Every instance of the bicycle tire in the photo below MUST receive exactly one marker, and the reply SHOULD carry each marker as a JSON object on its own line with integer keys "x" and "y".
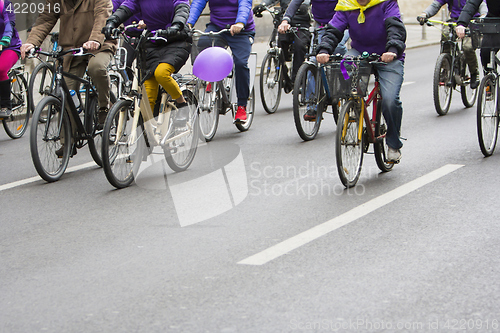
{"x": 349, "y": 147}
{"x": 46, "y": 139}
{"x": 380, "y": 147}
{"x": 468, "y": 94}
{"x": 442, "y": 84}
{"x": 487, "y": 115}
{"x": 245, "y": 126}
{"x": 208, "y": 109}
{"x": 306, "y": 84}
{"x": 92, "y": 120}
{"x": 41, "y": 84}
{"x": 121, "y": 157}
{"x": 17, "y": 123}
{"x": 270, "y": 82}
{"x": 180, "y": 153}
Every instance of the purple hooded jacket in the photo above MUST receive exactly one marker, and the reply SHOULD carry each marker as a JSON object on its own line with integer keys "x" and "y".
{"x": 155, "y": 13}
{"x": 224, "y": 12}
{"x": 7, "y": 27}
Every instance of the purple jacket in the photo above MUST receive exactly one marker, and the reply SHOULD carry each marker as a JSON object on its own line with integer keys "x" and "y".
{"x": 376, "y": 34}
{"x": 454, "y": 7}
{"x": 7, "y": 27}
{"x": 134, "y": 18}
{"x": 224, "y": 12}
{"x": 157, "y": 14}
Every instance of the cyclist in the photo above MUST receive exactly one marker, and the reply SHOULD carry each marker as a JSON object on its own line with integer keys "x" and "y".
{"x": 9, "y": 54}
{"x": 455, "y": 7}
{"x": 375, "y": 27}
{"x": 79, "y": 29}
{"x": 468, "y": 11}
{"x": 237, "y": 14}
{"x": 168, "y": 19}
{"x": 300, "y": 40}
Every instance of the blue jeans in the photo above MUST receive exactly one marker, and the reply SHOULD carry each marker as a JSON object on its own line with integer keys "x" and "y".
{"x": 390, "y": 77}
{"x": 241, "y": 46}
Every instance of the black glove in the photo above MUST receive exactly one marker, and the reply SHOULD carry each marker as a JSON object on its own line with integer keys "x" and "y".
{"x": 107, "y": 30}
{"x": 257, "y": 10}
{"x": 422, "y": 19}
{"x": 173, "y": 31}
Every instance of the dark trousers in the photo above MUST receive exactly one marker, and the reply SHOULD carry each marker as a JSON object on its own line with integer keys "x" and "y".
{"x": 300, "y": 42}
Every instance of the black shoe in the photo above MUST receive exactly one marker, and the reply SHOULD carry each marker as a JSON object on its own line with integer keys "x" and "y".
{"x": 101, "y": 118}
{"x": 182, "y": 114}
{"x": 310, "y": 115}
{"x": 5, "y": 113}
{"x": 474, "y": 82}
{"x": 60, "y": 152}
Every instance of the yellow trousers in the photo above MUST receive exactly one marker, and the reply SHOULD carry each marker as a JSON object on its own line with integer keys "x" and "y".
{"x": 162, "y": 76}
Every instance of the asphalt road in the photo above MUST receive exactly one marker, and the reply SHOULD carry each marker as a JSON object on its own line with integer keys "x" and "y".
{"x": 259, "y": 234}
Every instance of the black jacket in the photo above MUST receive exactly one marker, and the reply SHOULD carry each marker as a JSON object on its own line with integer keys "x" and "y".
{"x": 302, "y": 16}
{"x": 471, "y": 7}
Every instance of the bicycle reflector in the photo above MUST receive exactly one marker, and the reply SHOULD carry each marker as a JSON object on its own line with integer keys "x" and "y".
{"x": 213, "y": 64}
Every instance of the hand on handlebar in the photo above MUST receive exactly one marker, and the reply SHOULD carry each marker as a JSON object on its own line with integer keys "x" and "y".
{"x": 108, "y": 30}
{"x": 388, "y": 57}
{"x": 323, "y": 58}
{"x": 257, "y": 10}
{"x": 26, "y": 48}
{"x": 422, "y": 18}
{"x": 236, "y": 28}
{"x": 460, "y": 30}
{"x": 91, "y": 45}
{"x": 284, "y": 27}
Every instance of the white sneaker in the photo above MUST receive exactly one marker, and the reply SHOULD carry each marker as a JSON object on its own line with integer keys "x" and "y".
{"x": 393, "y": 155}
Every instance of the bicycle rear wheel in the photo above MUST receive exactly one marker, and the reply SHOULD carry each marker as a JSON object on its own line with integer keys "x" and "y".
{"x": 41, "y": 84}
{"x": 349, "y": 144}
{"x": 208, "y": 109}
{"x": 442, "y": 84}
{"x": 243, "y": 127}
{"x": 487, "y": 115}
{"x": 180, "y": 153}
{"x": 17, "y": 123}
{"x": 468, "y": 94}
{"x": 46, "y": 138}
{"x": 270, "y": 82}
{"x": 306, "y": 97}
{"x": 380, "y": 146}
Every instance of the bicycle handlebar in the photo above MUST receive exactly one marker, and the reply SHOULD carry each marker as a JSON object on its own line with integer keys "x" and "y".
{"x": 209, "y": 33}
{"x": 59, "y": 53}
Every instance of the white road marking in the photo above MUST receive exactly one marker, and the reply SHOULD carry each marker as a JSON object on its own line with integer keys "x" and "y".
{"x": 307, "y": 236}
{"x": 407, "y": 83}
{"x": 36, "y": 178}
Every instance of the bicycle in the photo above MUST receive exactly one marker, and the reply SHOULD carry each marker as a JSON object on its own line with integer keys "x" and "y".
{"x": 312, "y": 92}
{"x": 273, "y": 71}
{"x": 355, "y": 129}
{"x": 132, "y": 130}
{"x": 485, "y": 34}
{"x": 16, "y": 124}
{"x": 451, "y": 71}
{"x": 219, "y": 98}
{"x": 54, "y": 116}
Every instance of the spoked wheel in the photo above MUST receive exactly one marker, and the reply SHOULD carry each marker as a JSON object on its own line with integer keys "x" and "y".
{"x": 468, "y": 94}
{"x": 380, "y": 147}
{"x": 349, "y": 144}
{"x": 250, "y": 113}
{"x": 487, "y": 115}
{"x": 180, "y": 152}
{"x": 41, "y": 84}
{"x": 442, "y": 84}
{"x": 308, "y": 98}
{"x": 207, "y": 109}
{"x": 270, "y": 82}
{"x": 47, "y": 138}
{"x": 122, "y": 152}
{"x": 17, "y": 123}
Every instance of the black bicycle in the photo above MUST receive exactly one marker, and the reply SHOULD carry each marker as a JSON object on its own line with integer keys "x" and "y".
{"x": 59, "y": 127}
{"x": 16, "y": 124}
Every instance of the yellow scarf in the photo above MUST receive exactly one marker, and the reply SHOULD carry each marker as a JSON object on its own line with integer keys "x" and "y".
{"x": 347, "y": 5}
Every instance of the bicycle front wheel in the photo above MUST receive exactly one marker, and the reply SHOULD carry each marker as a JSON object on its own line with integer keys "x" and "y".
{"x": 50, "y": 139}
{"x": 208, "y": 109}
{"x": 380, "y": 146}
{"x": 442, "y": 84}
{"x": 17, "y": 123}
{"x": 487, "y": 115}
{"x": 243, "y": 127}
{"x": 270, "y": 82}
{"x": 92, "y": 120}
{"x": 180, "y": 152}
{"x": 468, "y": 94}
{"x": 349, "y": 144}
{"x": 308, "y": 100}
{"x": 41, "y": 84}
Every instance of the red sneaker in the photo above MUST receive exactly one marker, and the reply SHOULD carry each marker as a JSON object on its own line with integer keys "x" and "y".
{"x": 241, "y": 114}
{"x": 209, "y": 87}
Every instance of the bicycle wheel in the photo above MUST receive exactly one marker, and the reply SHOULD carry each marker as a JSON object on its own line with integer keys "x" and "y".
{"x": 270, "y": 82}
{"x": 487, "y": 115}
{"x": 349, "y": 144}
{"x": 207, "y": 109}
{"x": 41, "y": 84}
{"x": 122, "y": 154}
{"x": 48, "y": 137}
{"x": 468, "y": 94}
{"x": 17, "y": 123}
{"x": 305, "y": 98}
{"x": 442, "y": 84}
{"x": 380, "y": 146}
{"x": 243, "y": 127}
{"x": 92, "y": 120}
{"x": 179, "y": 153}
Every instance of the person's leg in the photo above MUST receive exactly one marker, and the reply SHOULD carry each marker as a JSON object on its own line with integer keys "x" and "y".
{"x": 8, "y": 59}
{"x": 471, "y": 60}
{"x": 301, "y": 41}
{"x": 241, "y": 46}
{"x": 151, "y": 86}
{"x": 98, "y": 71}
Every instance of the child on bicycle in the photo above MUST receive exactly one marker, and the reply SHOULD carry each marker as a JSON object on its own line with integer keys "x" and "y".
{"x": 237, "y": 15}
{"x": 455, "y": 7}
{"x": 300, "y": 40}
{"x": 10, "y": 45}
{"x": 375, "y": 26}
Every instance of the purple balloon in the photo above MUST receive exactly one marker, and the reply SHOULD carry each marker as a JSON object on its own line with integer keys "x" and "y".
{"x": 213, "y": 64}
